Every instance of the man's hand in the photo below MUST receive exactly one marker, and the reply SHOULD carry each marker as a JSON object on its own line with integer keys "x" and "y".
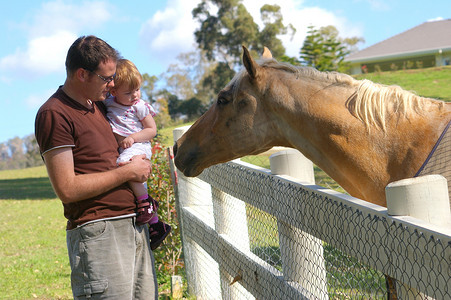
{"x": 141, "y": 168}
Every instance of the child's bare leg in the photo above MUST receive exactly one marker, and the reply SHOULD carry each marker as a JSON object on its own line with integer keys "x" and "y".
{"x": 139, "y": 189}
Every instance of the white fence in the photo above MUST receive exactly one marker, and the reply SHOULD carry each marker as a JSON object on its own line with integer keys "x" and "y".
{"x": 250, "y": 234}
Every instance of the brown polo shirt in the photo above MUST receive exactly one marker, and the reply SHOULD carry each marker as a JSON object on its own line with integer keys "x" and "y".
{"x": 63, "y": 122}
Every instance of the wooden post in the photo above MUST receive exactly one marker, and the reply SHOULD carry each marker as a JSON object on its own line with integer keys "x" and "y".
{"x": 301, "y": 253}
{"x": 176, "y": 287}
{"x": 425, "y": 198}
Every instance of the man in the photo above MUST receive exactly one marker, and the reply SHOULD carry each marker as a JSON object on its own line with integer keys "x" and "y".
{"x": 109, "y": 253}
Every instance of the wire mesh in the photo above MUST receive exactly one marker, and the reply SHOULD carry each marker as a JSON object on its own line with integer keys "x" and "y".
{"x": 267, "y": 237}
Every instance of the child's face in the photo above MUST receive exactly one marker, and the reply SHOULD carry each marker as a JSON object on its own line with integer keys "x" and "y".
{"x": 126, "y": 97}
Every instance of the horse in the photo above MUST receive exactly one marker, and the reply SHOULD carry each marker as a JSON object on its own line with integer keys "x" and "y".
{"x": 364, "y": 135}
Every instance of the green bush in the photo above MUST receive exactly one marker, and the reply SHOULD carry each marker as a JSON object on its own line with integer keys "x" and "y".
{"x": 168, "y": 257}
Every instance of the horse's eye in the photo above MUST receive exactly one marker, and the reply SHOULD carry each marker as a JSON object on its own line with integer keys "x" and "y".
{"x": 222, "y": 101}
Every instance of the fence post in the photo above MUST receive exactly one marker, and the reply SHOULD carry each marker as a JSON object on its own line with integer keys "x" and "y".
{"x": 202, "y": 271}
{"x": 425, "y": 198}
{"x": 301, "y": 253}
{"x": 231, "y": 220}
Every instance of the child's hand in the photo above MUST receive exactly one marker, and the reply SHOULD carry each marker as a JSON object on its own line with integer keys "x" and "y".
{"x": 127, "y": 142}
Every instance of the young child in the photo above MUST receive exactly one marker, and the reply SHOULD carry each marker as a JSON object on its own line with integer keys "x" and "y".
{"x": 133, "y": 125}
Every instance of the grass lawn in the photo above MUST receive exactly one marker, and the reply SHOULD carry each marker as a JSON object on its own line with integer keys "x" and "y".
{"x": 430, "y": 82}
{"x": 33, "y": 253}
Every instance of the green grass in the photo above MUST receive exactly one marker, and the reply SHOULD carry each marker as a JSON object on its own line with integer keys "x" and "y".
{"x": 166, "y": 136}
{"x": 31, "y": 183}
{"x": 430, "y": 82}
{"x": 321, "y": 178}
{"x": 33, "y": 254}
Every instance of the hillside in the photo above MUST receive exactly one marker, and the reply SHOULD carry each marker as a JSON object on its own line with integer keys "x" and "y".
{"x": 431, "y": 82}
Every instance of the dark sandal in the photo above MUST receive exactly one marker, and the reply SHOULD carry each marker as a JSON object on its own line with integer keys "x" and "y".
{"x": 157, "y": 233}
{"x": 144, "y": 212}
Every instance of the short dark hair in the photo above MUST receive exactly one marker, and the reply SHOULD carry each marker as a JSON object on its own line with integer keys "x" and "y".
{"x": 88, "y": 52}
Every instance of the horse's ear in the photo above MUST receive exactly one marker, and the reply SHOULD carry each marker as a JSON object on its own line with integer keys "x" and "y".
{"x": 266, "y": 53}
{"x": 249, "y": 63}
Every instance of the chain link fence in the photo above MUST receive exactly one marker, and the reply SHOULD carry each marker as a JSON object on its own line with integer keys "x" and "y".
{"x": 248, "y": 234}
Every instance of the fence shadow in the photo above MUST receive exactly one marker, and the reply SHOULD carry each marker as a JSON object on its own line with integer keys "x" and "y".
{"x": 26, "y": 188}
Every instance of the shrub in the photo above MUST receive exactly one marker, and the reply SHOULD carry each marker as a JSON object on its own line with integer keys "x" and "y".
{"x": 168, "y": 257}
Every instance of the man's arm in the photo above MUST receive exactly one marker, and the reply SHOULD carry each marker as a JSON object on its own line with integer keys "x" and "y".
{"x": 70, "y": 187}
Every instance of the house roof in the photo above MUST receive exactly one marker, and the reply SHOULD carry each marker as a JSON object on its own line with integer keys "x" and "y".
{"x": 426, "y": 38}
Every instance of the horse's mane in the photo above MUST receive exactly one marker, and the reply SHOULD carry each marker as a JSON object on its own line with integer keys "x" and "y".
{"x": 371, "y": 103}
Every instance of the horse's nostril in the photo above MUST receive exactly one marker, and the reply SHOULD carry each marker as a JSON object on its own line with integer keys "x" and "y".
{"x": 174, "y": 149}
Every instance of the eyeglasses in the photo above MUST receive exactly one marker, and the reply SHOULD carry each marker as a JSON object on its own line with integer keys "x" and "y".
{"x": 106, "y": 79}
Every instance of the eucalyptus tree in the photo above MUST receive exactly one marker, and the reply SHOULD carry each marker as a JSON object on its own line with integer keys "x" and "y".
{"x": 226, "y": 25}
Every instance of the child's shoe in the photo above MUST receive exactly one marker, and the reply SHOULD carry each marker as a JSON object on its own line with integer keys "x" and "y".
{"x": 157, "y": 233}
{"x": 144, "y": 211}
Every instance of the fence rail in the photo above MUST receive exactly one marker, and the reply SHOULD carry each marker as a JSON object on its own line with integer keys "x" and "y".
{"x": 249, "y": 234}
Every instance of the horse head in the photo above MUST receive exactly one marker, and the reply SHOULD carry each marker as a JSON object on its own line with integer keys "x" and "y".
{"x": 236, "y": 125}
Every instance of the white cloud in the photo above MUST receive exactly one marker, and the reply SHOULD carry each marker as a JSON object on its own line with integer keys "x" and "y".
{"x": 43, "y": 55}
{"x": 59, "y": 15}
{"x": 295, "y": 12}
{"x": 52, "y": 30}
{"x": 36, "y": 100}
{"x": 435, "y": 19}
{"x": 302, "y": 18}
{"x": 170, "y": 31}
{"x": 378, "y": 5}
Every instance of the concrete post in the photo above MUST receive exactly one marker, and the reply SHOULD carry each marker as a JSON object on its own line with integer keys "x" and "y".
{"x": 201, "y": 270}
{"x": 425, "y": 198}
{"x": 231, "y": 220}
{"x": 301, "y": 253}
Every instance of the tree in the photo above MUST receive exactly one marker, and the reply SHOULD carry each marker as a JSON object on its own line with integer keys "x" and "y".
{"x": 148, "y": 86}
{"x": 192, "y": 108}
{"x": 173, "y": 105}
{"x": 222, "y": 35}
{"x": 162, "y": 119}
{"x": 273, "y": 20}
{"x": 4, "y": 156}
{"x": 178, "y": 81}
{"x": 325, "y": 51}
{"x": 32, "y": 154}
{"x": 4, "y": 152}
{"x": 218, "y": 78}
{"x": 17, "y": 153}
{"x": 20, "y": 153}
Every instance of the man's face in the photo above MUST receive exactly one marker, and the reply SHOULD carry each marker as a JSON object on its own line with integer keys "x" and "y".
{"x": 100, "y": 82}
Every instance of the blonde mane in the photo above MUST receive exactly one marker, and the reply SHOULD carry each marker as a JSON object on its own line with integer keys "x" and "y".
{"x": 372, "y": 103}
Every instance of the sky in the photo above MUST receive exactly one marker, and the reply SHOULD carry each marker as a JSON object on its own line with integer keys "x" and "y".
{"x": 35, "y": 37}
